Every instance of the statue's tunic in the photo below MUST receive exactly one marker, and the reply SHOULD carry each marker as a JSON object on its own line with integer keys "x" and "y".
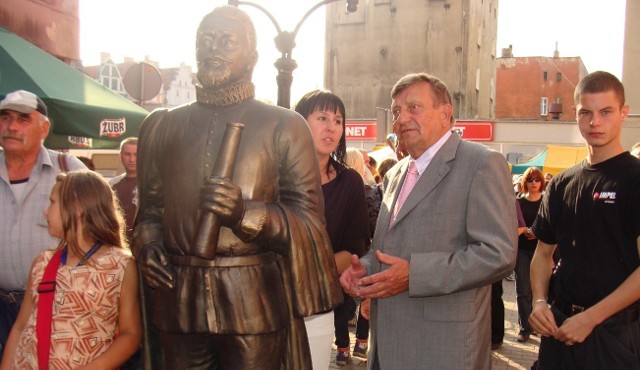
{"x": 277, "y": 264}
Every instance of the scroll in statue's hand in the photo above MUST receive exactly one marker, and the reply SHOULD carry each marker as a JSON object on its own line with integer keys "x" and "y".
{"x": 224, "y": 199}
{"x": 155, "y": 267}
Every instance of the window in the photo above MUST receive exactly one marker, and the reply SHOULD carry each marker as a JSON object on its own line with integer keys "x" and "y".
{"x": 558, "y": 76}
{"x": 544, "y": 75}
{"x": 110, "y": 77}
{"x": 544, "y": 106}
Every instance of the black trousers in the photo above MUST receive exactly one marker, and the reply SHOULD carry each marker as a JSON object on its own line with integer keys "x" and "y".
{"x": 8, "y": 314}
{"x": 609, "y": 346}
{"x": 497, "y": 313}
{"x": 362, "y": 327}
{"x": 341, "y": 316}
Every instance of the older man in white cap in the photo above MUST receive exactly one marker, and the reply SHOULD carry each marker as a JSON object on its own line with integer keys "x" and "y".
{"x": 27, "y": 174}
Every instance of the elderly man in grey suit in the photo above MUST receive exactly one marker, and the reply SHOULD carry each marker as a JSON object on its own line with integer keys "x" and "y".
{"x": 446, "y": 231}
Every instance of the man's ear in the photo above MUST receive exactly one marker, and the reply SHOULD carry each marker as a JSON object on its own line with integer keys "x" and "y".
{"x": 46, "y": 126}
{"x": 624, "y": 111}
{"x": 446, "y": 110}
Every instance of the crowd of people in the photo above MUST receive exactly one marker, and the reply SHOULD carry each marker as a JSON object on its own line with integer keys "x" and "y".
{"x": 256, "y": 252}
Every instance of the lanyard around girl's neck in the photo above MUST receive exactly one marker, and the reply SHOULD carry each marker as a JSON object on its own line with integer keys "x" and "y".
{"x": 90, "y": 252}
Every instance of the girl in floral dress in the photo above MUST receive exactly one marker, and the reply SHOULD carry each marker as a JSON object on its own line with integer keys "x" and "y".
{"x": 95, "y": 320}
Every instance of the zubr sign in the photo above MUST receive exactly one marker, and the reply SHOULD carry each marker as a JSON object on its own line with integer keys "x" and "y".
{"x": 361, "y": 130}
{"x": 80, "y": 142}
{"x": 475, "y": 130}
{"x": 113, "y": 127}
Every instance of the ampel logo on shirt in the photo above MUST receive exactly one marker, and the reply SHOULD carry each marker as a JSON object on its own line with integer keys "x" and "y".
{"x": 605, "y": 196}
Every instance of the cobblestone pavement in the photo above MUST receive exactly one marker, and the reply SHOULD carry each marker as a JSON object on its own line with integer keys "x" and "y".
{"x": 511, "y": 356}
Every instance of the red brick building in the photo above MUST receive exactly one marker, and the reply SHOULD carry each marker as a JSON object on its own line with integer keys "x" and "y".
{"x": 51, "y": 25}
{"x": 536, "y": 87}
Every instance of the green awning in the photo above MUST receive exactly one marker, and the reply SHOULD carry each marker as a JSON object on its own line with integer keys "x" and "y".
{"x": 80, "y": 109}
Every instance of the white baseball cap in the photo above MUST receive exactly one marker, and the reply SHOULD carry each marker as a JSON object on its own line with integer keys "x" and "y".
{"x": 24, "y": 102}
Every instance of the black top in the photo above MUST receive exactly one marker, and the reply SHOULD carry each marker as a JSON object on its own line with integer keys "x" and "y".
{"x": 593, "y": 213}
{"x": 374, "y": 200}
{"x": 529, "y": 211}
{"x": 346, "y": 213}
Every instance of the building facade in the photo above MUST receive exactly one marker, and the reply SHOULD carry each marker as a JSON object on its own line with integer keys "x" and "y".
{"x": 178, "y": 84}
{"x": 369, "y": 50}
{"x": 631, "y": 62}
{"x": 538, "y": 88}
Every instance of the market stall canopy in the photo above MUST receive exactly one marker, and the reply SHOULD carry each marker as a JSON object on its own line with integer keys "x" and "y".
{"x": 83, "y": 113}
{"x": 553, "y": 159}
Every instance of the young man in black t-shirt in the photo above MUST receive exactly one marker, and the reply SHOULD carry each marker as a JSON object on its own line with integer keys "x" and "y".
{"x": 126, "y": 185}
{"x": 591, "y": 212}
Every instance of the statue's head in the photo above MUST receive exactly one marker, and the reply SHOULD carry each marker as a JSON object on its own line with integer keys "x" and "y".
{"x": 225, "y": 47}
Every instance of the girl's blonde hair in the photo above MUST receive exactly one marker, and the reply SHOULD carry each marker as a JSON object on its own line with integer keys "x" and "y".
{"x": 86, "y": 194}
{"x": 355, "y": 160}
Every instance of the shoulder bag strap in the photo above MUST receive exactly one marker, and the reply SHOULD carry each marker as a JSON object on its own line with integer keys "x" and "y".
{"x": 46, "y": 293}
{"x": 62, "y": 162}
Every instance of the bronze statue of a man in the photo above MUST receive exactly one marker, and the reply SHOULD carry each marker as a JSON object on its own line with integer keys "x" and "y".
{"x": 242, "y": 307}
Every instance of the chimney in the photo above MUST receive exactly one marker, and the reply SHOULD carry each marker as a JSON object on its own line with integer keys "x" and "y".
{"x": 507, "y": 52}
{"x": 555, "y": 109}
{"x": 104, "y": 57}
{"x": 556, "y": 53}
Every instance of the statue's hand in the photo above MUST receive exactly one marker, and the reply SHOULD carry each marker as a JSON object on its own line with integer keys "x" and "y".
{"x": 155, "y": 267}
{"x": 224, "y": 199}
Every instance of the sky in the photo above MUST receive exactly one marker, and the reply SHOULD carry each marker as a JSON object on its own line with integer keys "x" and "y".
{"x": 165, "y": 32}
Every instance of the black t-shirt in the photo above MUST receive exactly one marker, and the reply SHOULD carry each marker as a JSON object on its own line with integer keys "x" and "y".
{"x": 593, "y": 213}
{"x": 529, "y": 211}
{"x": 346, "y": 213}
{"x": 127, "y": 192}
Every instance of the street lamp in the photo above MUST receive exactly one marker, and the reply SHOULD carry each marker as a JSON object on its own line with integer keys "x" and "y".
{"x": 285, "y": 42}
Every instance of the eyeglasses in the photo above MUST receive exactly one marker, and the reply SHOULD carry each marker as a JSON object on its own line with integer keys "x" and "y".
{"x": 534, "y": 179}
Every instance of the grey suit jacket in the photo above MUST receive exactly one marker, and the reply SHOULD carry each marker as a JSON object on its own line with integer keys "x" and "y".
{"x": 458, "y": 230}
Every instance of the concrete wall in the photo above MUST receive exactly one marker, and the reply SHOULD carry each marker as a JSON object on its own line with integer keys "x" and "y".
{"x": 631, "y": 62}
{"x": 530, "y": 137}
{"x": 368, "y": 51}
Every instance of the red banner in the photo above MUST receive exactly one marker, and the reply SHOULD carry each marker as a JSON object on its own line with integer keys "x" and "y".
{"x": 361, "y": 130}
{"x": 475, "y": 130}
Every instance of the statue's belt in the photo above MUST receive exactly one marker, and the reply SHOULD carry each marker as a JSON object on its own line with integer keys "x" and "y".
{"x": 224, "y": 261}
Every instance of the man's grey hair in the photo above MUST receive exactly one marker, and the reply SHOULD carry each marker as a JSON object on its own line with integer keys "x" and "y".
{"x": 440, "y": 92}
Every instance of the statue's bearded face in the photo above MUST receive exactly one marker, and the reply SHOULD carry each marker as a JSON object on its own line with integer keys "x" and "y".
{"x": 223, "y": 52}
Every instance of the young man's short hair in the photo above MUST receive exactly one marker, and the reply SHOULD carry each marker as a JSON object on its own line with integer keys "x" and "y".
{"x": 599, "y": 82}
{"x": 128, "y": 141}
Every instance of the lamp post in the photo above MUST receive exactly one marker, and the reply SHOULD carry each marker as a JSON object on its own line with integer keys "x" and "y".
{"x": 285, "y": 42}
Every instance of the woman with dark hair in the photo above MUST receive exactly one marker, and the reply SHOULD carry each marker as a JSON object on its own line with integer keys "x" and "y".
{"x": 346, "y": 216}
{"x": 532, "y": 185}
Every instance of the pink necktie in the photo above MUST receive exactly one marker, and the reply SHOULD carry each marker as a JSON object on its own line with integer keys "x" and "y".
{"x": 409, "y": 182}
